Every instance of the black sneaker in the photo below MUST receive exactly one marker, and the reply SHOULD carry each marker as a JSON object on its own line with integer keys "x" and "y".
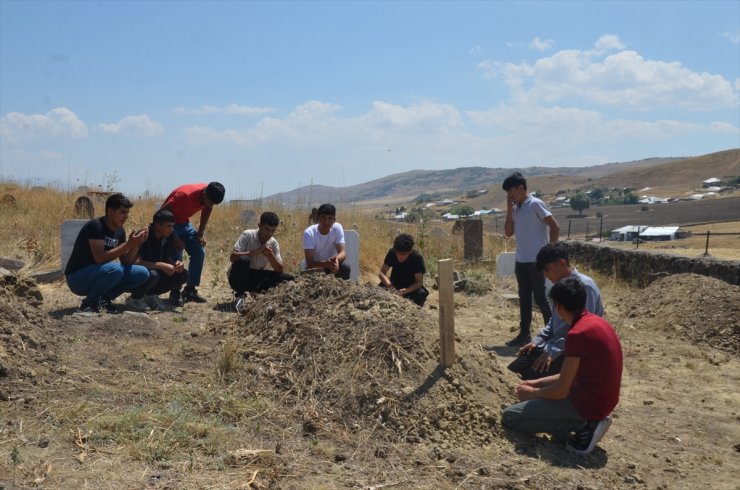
{"x": 175, "y": 299}
{"x": 191, "y": 294}
{"x": 519, "y": 340}
{"x": 107, "y": 306}
{"x": 86, "y": 307}
{"x": 585, "y": 440}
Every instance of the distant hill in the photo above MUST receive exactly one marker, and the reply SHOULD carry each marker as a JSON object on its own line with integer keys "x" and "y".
{"x": 406, "y": 186}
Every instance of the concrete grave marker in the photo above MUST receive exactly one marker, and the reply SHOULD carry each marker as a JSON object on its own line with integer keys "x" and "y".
{"x": 473, "y": 239}
{"x": 352, "y": 250}
{"x": 505, "y": 264}
{"x": 84, "y": 207}
{"x": 70, "y": 229}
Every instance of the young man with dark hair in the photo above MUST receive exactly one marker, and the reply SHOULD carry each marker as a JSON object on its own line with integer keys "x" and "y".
{"x": 159, "y": 255}
{"x": 183, "y": 203}
{"x": 407, "y": 274}
{"x": 323, "y": 244}
{"x": 253, "y": 252}
{"x": 529, "y": 220}
{"x": 92, "y": 270}
{"x": 582, "y": 396}
{"x": 543, "y": 356}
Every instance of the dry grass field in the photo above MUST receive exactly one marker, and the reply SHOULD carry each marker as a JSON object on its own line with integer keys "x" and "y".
{"x": 324, "y": 384}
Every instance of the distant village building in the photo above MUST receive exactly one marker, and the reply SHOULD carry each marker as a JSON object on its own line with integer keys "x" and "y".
{"x": 653, "y": 200}
{"x": 627, "y": 233}
{"x": 714, "y": 181}
{"x": 661, "y": 233}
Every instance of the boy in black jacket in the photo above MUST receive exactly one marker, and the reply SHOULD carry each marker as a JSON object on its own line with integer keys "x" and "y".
{"x": 166, "y": 273}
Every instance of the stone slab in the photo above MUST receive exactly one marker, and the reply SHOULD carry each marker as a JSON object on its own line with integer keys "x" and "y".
{"x": 70, "y": 229}
{"x": 505, "y": 264}
{"x": 352, "y": 250}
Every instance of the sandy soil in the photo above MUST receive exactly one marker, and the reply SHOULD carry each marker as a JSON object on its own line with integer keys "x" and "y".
{"x": 322, "y": 385}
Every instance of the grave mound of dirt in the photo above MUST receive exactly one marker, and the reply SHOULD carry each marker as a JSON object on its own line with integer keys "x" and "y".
{"x": 690, "y": 306}
{"x": 358, "y": 357}
{"x": 24, "y": 353}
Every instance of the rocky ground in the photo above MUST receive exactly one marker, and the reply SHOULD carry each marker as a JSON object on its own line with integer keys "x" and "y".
{"x": 322, "y": 384}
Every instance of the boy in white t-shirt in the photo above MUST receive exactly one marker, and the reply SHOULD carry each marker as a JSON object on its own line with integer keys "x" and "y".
{"x": 256, "y": 263}
{"x": 323, "y": 244}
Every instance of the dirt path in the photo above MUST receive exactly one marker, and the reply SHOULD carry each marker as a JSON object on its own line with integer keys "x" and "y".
{"x": 176, "y": 400}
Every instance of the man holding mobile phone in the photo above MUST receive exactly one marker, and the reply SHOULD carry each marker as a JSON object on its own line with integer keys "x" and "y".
{"x": 533, "y": 225}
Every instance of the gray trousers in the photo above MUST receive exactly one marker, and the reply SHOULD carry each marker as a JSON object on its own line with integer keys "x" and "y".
{"x": 551, "y": 416}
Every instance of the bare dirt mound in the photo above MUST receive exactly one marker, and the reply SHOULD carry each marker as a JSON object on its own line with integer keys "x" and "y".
{"x": 690, "y": 306}
{"x": 356, "y": 357}
{"x": 24, "y": 348}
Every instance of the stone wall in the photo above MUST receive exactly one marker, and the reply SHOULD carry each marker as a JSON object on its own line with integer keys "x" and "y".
{"x": 641, "y": 268}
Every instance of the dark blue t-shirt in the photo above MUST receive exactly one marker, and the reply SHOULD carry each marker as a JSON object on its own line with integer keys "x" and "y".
{"x": 95, "y": 229}
{"x": 403, "y": 274}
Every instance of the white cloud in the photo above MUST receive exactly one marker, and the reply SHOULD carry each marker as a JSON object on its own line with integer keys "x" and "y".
{"x": 141, "y": 126}
{"x": 541, "y": 44}
{"x": 721, "y": 127}
{"x": 608, "y": 42}
{"x": 17, "y": 128}
{"x": 229, "y": 109}
{"x": 621, "y": 79}
{"x": 733, "y": 37}
{"x": 317, "y": 122}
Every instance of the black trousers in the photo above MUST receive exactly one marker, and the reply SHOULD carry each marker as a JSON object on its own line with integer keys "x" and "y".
{"x": 419, "y": 296}
{"x": 159, "y": 283}
{"x": 522, "y": 365}
{"x": 243, "y": 279}
{"x": 530, "y": 281}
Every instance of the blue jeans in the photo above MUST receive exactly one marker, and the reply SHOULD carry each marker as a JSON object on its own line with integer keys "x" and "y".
{"x": 540, "y": 415}
{"x": 110, "y": 280}
{"x": 188, "y": 234}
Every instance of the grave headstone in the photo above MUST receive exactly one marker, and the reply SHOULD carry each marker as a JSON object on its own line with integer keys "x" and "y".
{"x": 352, "y": 250}
{"x": 505, "y": 264}
{"x": 472, "y": 239}
{"x": 70, "y": 229}
{"x": 84, "y": 207}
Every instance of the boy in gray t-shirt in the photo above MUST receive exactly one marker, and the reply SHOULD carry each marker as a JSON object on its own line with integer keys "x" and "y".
{"x": 529, "y": 220}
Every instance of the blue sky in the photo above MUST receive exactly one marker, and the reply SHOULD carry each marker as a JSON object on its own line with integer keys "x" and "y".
{"x": 267, "y": 96}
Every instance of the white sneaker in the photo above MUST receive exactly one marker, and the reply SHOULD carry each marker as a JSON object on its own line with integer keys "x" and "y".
{"x": 155, "y": 303}
{"x": 241, "y": 303}
{"x": 137, "y": 304}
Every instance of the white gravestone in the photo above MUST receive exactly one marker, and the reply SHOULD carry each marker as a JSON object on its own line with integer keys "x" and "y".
{"x": 505, "y": 264}
{"x": 352, "y": 250}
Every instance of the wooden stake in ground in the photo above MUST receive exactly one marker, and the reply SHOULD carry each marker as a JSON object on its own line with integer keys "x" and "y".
{"x": 446, "y": 268}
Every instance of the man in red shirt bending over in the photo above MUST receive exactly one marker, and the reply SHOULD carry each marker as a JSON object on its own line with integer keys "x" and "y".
{"x": 580, "y": 398}
{"x": 183, "y": 203}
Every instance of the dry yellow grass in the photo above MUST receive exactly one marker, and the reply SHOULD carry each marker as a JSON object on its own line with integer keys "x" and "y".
{"x": 32, "y": 227}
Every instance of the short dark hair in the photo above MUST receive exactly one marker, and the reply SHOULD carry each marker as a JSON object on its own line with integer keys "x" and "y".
{"x": 514, "y": 180}
{"x": 269, "y": 218}
{"x": 327, "y": 209}
{"x": 215, "y": 192}
{"x": 570, "y": 293}
{"x": 117, "y": 201}
{"x": 552, "y": 252}
{"x": 403, "y": 243}
{"x": 163, "y": 216}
